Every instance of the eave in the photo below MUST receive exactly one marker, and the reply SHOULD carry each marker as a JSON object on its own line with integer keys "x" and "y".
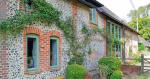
{"x": 115, "y": 18}
{"x": 91, "y": 3}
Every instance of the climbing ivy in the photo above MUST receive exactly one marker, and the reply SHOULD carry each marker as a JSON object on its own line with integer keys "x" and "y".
{"x": 44, "y": 12}
{"x": 41, "y": 11}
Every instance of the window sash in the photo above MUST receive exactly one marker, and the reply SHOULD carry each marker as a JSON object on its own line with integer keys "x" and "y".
{"x": 35, "y": 53}
{"x": 56, "y": 54}
{"x": 28, "y": 8}
{"x": 99, "y": 22}
{"x": 93, "y": 15}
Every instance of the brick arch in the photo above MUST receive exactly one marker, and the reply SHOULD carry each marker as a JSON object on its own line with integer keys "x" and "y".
{"x": 57, "y": 34}
{"x": 44, "y": 46}
{"x": 35, "y": 31}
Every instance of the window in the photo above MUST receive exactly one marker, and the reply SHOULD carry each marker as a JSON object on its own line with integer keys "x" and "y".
{"x": 28, "y": 5}
{"x": 99, "y": 22}
{"x": 93, "y": 16}
{"x": 54, "y": 51}
{"x": 120, "y": 33}
{"x": 32, "y": 52}
{"x": 115, "y": 31}
{"x": 108, "y": 27}
{"x": 118, "y": 50}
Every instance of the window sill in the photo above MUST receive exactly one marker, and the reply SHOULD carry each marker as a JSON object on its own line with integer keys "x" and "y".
{"x": 33, "y": 71}
{"x": 55, "y": 68}
{"x": 93, "y": 23}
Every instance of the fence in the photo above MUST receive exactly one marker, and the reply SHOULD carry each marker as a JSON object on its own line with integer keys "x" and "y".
{"x": 145, "y": 63}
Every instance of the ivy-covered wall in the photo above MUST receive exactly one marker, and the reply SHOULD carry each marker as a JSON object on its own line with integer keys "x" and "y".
{"x": 94, "y": 50}
{"x": 97, "y": 46}
{"x": 14, "y": 68}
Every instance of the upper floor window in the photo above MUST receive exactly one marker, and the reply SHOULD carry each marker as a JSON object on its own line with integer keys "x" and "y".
{"x": 100, "y": 22}
{"x": 28, "y": 5}
{"x": 54, "y": 49}
{"x": 93, "y": 15}
{"x": 32, "y": 51}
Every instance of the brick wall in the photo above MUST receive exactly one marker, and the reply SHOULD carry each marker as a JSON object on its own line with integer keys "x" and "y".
{"x": 128, "y": 69}
{"x": 3, "y": 60}
{"x": 3, "y": 9}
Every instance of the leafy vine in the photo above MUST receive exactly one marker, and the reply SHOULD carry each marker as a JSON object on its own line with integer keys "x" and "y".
{"x": 47, "y": 14}
{"x": 41, "y": 11}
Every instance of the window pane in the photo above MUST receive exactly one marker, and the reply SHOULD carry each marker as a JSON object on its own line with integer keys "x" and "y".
{"x": 99, "y": 22}
{"x": 53, "y": 52}
{"x": 108, "y": 27}
{"x": 32, "y": 52}
{"x": 28, "y": 5}
{"x": 93, "y": 15}
{"x": 113, "y": 28}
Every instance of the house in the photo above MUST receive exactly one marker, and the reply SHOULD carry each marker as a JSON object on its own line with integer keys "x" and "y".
{"x": 125, "y": 38}
{"x": 40, "y": 50}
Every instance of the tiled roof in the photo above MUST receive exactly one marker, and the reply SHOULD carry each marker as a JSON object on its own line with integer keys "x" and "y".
{"x": 113, "y": 16}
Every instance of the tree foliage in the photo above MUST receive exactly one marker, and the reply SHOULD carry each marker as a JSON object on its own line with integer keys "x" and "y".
{"x": 42, "y": 11}
{"x": 144, "y": 20}
{"x": 145, "y": 33}
{"x": 143, "y": 11}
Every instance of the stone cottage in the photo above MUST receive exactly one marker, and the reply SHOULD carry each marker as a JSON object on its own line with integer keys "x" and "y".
{"x": 40, "y": 51}
{"x": 118, "y": 29}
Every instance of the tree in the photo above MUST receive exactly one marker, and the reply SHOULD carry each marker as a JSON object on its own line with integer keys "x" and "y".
{"x": 143, "y": 11}
{"x": 144, "y": 20}
{"x": 145, "y": 33}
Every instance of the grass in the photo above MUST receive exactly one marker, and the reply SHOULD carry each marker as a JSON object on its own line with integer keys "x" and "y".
{"x": 144, "y": 76}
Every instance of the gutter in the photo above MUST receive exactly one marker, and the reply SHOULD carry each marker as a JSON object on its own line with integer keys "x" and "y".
{"x": 116, "y": 19}
{"x": 91, "y": 3}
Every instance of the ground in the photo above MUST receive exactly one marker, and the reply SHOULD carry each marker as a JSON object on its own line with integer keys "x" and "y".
{"x": 134, "y": 76}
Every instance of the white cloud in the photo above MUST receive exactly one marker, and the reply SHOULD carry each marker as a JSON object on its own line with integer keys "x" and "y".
{"x": 122, "y": 7}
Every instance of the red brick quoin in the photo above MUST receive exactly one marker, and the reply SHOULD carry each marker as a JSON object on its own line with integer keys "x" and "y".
{"x": 4, "y": 60}
{"x": 44, "y": 47}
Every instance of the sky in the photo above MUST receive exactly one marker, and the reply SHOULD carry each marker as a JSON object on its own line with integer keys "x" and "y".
{"x": 123, "y": 7}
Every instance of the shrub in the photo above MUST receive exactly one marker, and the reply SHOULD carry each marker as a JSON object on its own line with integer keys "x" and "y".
{"x": 116, "y": 75}
{"x": 113, "y": 63}
{"x": 77, "y": 58}
{"x": 141, "y": 47}
{"x": 137, "y": 59}
{"x": 75, "y": 71}
{"x": 109, "y": 65}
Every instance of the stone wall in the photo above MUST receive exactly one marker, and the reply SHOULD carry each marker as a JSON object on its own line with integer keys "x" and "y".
{"x": 15, "y": 61}
{"x": 17, "y": 64}
{"x": 131, "y": 43}
{"x": 14, "y": 55}
{"x": 97, "y": 44}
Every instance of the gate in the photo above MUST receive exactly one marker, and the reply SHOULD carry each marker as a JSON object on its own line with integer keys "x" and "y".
{"x": 145, "y": 64}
